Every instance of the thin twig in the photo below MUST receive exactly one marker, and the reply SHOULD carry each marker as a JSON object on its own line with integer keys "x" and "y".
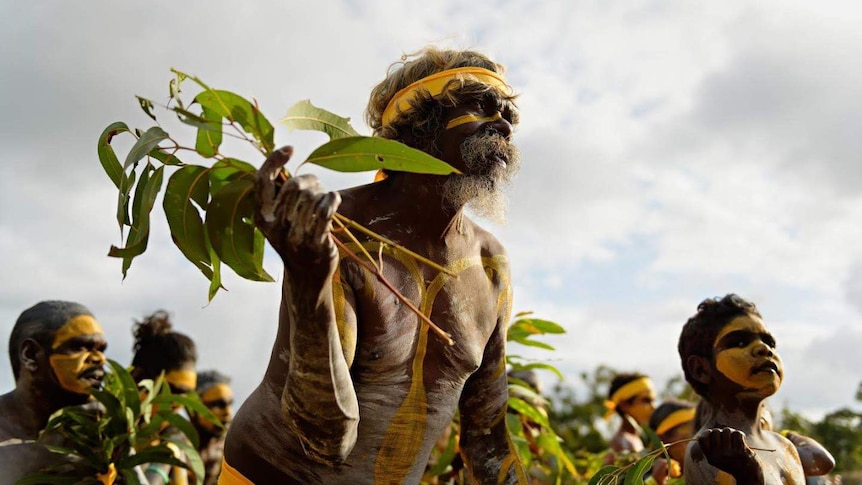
{"x": 374, "y": 235}
{"x": 343, "y": 228}
{"x": 439, "y": 331}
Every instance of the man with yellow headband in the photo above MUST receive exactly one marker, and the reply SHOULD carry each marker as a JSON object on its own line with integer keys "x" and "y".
{"x": 632, "y": 398}
{"x": 56, "y": 351}
{"x": 358, "y": 388}
{"x": 729, "y": 357}
{"x": 215, "y": 392}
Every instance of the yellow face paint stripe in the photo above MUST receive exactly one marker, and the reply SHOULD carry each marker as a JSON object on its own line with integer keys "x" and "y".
{"x": 185, "y": 378}
{"x": 216, "y": 392}
{"x": 464, "y": 119}
{"x": 76, "y": 326}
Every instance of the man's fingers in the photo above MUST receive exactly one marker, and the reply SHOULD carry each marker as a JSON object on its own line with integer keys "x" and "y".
{"x": 325, "y": 208}
{"x": 276, "y": 160}
{"x": 266, "y": 182}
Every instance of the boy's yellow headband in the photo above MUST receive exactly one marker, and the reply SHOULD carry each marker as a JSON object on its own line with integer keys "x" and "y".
{"x": 629, "y": 390}
{"x": 675, "y": 419}
{"x": 435, "y": 84}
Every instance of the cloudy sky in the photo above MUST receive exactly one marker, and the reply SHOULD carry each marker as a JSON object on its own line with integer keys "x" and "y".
{"x": 673, "y": 151}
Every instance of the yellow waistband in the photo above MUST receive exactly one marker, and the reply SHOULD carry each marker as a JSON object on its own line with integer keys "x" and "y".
{"x": 230, "y": 476}
{"x": 435, "y": 84}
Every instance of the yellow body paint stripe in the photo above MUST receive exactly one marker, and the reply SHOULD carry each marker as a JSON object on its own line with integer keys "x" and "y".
{"x": 404, "y": 436}
{"x": 185, "y": 378}
{"x": 347, "y": 335}
{"x": 76, "y": 326}
{"x": 464, "y": 119}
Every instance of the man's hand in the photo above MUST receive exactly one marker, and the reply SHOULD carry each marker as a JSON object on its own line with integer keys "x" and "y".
{"x": 726, "y": 450}
{"x": 295, "y": 215}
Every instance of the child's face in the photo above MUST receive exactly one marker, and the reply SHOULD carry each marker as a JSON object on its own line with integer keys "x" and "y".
{"x": 744, "y": 352}
{"x": 641, "y": 407}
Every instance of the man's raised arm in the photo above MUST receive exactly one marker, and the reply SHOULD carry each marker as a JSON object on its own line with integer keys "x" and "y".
{"x": 318, "y": 399}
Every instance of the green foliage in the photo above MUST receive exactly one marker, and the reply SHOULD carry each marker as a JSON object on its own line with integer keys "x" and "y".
{"x": 210, "y": 208}
{"x": 122, "y": 428}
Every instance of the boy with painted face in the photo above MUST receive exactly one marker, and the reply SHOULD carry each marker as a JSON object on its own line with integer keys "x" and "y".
{"x": 56, "y": 351}
{"x": 632, "y": 398}
{"x": 729, "y": 358}
{"x": 215, "y": 392}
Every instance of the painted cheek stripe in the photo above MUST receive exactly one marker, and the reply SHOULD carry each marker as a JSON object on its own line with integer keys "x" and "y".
{"x": 471, "y": 118}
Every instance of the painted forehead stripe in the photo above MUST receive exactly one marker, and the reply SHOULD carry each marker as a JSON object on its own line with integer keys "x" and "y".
{"x": 629, "y": 390}
{"x": 435, "y": 84}
{"x": 675, "y": 419}
{"x": 76, "y": 326}
{"x": 218, "y": 391}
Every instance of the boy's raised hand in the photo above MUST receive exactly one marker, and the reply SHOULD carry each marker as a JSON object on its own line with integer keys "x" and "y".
{"x": 725, "y": 449}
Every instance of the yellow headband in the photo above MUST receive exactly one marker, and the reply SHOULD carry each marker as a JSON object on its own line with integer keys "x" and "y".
{"x": 626, "y": 392}
{"x": 435, "y": 84}
{"x": 185, "y": 378}
{"x": 76, "y": 326}
{"x": 675, "y": 419}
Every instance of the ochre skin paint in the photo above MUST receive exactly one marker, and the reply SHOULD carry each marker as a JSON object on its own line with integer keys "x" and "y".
{"x": 218, "y": 399}
{"x": 68, "y": 367}
{"x": 740, "y": 349}
{"x": 406, "y": 432}
{"x": 182, "y": 380}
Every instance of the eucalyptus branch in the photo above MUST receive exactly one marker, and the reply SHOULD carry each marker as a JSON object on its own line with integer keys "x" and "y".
{"x": 374, "y": 235}
{"x": 439, "y": 331}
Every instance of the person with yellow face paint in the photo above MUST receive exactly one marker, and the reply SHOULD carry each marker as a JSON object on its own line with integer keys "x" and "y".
{"x": 57, "y": 354}
{"x": 730, "y": 359}
{"x": 215, "y": 392}
{"x": 672, "y": 421}
{"x": 359, "y": 387}
{"x": 158, "y": 349}
{"x": 632, "y": 398}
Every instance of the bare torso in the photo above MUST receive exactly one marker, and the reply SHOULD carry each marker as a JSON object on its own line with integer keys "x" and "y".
{"x": 408, "y": 381}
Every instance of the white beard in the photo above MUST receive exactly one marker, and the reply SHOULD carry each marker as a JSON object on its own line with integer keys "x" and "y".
{"x": 481, "y": 187}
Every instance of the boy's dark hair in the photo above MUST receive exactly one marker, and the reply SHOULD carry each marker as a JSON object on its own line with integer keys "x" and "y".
{"x": 619, "y": 381}
{"x": 40, "y": 322}
{"x": 699, "y": 332}
{"x": 158, "y": 348}
{"x": 667, "y": 407}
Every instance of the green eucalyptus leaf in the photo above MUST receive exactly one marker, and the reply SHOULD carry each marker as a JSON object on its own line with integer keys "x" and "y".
{"x": 364, "y": 153}
{"x": 600, "y": 476}
{"x": 539, "y": 326}
{"x": 190, "y": 183}
{"x": 635, "y": 476}
{"x": 215, "y": 281}
{"x": 209, "y": 136}
{"x": 145, "y": 144}
{"x": 543, "y": 366}
{"x": 107, "y": 156}
{"x": 145, "y": 196}
{"x": 185, "y": 426}
{"x": 166, "y": 158}
{"x": 234, "y": 238}
{"x": 194, "y": 462}
{"x": 529, "y": 411}
{"x": 226, "y": 171}
{"x": 533, "y": 343}
{"x": 128, "y": 386}
{"x": 123, "y": 199}
{"x": 146, "y": 106}
{"x": 237, "y": 109}
{"x": 305, "y": 116}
